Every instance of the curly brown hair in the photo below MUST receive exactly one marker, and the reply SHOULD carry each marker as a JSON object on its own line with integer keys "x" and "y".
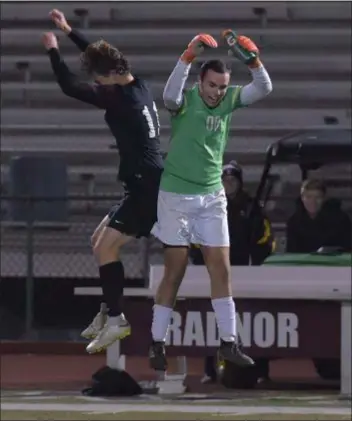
{"x": 102, "y": 58}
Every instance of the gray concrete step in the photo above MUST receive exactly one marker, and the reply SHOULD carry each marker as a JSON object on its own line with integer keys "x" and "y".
{"x": 164, "y": 64}
{"x": 251, "y": 117}
{"x": 159, "y": 11}
{"x": 129, "y": 40}
{"x": 36, "y": 92}
{"x": 153, "y": 11}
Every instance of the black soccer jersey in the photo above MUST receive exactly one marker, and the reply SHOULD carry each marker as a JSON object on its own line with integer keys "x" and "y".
{"x": 130, "y": 113}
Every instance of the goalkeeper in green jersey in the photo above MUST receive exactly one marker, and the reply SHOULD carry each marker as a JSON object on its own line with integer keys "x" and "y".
{"x": 192, "y": 202}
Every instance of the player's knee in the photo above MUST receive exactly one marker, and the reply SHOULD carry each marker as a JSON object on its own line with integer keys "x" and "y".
{"x": 173, "y": 280}
{"x": 223, "y": 275}
{"x": 107, "y": 248}
{"x": 175, "y": 270}
{"x": 176, "y": 260}
{"x": 167, "y": 290}
{"x": 105, "y": 251}
{"x": 221, "y": 271}
{"x": 220, "y": 279}
{"x": 218, "y": 265}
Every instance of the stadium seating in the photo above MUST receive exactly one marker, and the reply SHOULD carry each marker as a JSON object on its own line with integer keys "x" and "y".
{"x": 293, "y": 36}
{"x": 305, "y": 45}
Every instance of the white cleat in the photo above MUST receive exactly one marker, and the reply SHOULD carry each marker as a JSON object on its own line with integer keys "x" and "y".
{"x": 108, "y": 335}
{"x": 95, "y": 327}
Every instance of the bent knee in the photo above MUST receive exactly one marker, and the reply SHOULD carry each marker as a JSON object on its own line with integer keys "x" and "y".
{"x": 167, "y": 290}
{"x": 107, "y": 247}
{"x": 98, "y": 243}
{"x": 173, "y": 280}
{"x": 104, "y": 251}
{"x": 101, "y": 247}
{"x": 218, "y": 267}
{"x": 219, "y": 271}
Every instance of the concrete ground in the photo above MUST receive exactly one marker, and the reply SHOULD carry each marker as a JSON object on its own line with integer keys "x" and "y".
{"x": 44, "y": 405}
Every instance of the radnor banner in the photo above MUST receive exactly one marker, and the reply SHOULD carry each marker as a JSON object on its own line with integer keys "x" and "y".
{"x": 267, "y": 328}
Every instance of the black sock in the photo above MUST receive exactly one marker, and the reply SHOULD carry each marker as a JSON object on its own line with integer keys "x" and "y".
{"x": 112, "y": 281}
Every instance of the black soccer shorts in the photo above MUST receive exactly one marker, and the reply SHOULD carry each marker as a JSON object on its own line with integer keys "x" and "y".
{"x": 136, "y": 214}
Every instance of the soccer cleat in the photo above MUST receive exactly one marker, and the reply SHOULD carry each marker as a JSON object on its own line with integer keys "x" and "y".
{"x": 231, "y": 351}
{"x": 208, "y": 380}
{"x": 157, "y": 357}
{"x": 95, "y": 327}
{"x": 108, "y": 335}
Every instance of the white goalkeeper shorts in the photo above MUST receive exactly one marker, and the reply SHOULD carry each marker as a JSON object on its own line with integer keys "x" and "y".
{"x": 197, "y": 219}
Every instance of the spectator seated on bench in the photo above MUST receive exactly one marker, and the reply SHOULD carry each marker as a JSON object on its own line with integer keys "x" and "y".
{"x": 317, "y": 222}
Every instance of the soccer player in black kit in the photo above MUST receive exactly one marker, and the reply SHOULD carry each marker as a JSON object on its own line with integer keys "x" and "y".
{"x": 132, "y": 117}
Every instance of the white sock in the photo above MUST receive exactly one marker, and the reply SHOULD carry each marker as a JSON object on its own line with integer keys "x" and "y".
{"x": 225, "y": 313}
{"x": 113, "y": 321}
{"x": 161, "y": 321}
{"x": 116, "y": 320}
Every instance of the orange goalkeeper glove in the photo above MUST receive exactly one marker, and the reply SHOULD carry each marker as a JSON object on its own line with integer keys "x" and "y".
{"x": 242, "y": 48}
{"x": 197, "y": 46}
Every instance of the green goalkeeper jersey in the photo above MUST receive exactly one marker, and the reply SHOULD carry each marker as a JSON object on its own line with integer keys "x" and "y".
{"x": 198, "y": 139}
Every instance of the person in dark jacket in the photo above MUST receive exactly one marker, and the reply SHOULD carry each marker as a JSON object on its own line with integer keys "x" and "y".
{"x": 317, "y": 222}
{"x": 251, "y": 240}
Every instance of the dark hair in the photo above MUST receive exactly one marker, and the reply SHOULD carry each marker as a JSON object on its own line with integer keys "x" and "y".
{"x": 318, "y": 185}
{"x": 102, "y": 58}
{"x": 217, "y": 66}
{"x": 233, "y": 169}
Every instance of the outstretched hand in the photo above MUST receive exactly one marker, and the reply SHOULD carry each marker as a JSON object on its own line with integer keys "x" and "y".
{"x": 49, "y": 40}
{"x": 242, "y": 48}
{"x": 59, "y": 20}
{"x": 196, "y": 47}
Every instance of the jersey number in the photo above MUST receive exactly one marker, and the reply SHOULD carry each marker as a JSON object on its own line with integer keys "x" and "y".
{"x": 154, "y": 127}
{"x": 213, "y": 123}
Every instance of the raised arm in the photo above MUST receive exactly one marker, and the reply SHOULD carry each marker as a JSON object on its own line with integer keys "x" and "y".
{"x": 259, "y": 88}
{"x": 173, "y": 91}
{"x": 68, "y": 82}
{"x": 61, "y": 23}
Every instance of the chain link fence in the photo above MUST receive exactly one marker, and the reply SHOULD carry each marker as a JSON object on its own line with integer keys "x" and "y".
{"x": 61, "y": 249}
{"x": 35, "y": 246}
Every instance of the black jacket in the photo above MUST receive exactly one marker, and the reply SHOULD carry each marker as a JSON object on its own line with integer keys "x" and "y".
{"x": 330, "y": 228}
{"x": 251, "y": 240}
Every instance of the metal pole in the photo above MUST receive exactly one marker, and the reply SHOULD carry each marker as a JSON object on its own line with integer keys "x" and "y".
{"x": 29, "y": 279}
{"x": 146, "y": 251}
{"x": 346, "y": 347}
